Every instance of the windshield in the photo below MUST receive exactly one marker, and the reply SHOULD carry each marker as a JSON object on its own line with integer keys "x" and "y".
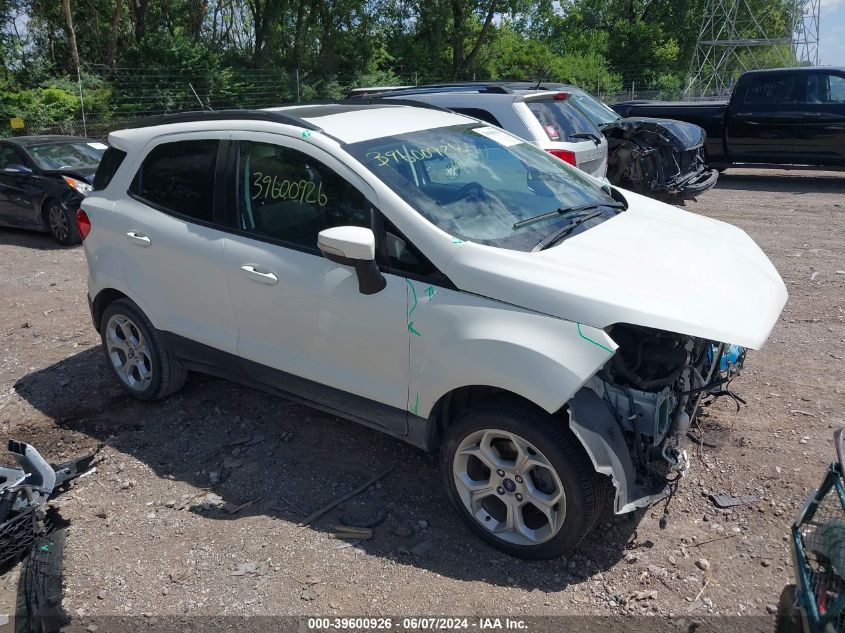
{"x": 593, "y": 109}
{"x": 73, "y": 155}
{"x": 480, "y": 184}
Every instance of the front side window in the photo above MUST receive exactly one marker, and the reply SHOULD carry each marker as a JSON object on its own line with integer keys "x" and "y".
{"x": 560, "y": 119}
{"x": 823, "y": 88}
{"x": 9, "y": 156}
{"x": 179, "y": 177}
{"x": 286, "y": 195}
{"x": 480, "y": 184}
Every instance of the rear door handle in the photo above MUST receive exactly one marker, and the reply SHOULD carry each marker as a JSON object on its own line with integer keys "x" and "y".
{"x": 138, "y": 238}
{"x": 261, "y": 276}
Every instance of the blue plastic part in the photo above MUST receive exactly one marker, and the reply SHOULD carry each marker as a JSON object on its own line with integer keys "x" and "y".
{"x": 732, "y": 356}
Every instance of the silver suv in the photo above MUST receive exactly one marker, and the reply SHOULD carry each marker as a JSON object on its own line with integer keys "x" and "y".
{"x": 543, "y": 117}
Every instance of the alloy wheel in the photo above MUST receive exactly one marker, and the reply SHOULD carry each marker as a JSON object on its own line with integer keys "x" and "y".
{"x": 58, "y": 222}
{"x": 509, "y": 487}
{"x": 129, "y": 353}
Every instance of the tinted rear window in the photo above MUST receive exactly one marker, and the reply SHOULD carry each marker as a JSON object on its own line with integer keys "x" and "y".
{"x": 110, "y": 163}
{"x": 560, "y": 120}
{"x": 179, "y": 177}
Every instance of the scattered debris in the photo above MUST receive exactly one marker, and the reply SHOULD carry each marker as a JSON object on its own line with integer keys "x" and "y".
{"x": 234, "y": 509}
{"x": 180, "y": 573}
{"x": 703, "y": 564}
{"x": 244, "y": 569}
{"x": 724, "y": 500}
{"x": 211, "y": 501}
{"x": 317, "y": 514}
{"x": 349, "y": 532}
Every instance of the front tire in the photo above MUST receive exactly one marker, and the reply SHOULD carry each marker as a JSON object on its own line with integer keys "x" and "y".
{"x": 62, "y": 223}
{"x": 520, "y": 480}
{"x": 146, "y": 368}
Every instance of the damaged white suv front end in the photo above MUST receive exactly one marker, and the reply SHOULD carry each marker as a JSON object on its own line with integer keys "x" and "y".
{"x": 612, "y": 312}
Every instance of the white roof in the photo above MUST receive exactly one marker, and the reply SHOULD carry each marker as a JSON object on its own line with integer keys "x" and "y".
{"x": 351, "y": 124}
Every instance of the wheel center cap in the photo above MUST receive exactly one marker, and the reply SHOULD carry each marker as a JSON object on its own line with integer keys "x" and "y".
{"x": 509, "y": 485}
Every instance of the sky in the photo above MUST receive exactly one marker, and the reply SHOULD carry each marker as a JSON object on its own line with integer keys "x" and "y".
{"x": 832, "y": 33}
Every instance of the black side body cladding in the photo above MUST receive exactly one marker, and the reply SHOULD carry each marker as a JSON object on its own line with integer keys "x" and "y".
{"x": 391, "y": 420}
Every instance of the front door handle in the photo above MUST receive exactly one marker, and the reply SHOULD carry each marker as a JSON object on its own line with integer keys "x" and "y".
{"x": 138, "y": 238}
{"x": 261, "y": 276}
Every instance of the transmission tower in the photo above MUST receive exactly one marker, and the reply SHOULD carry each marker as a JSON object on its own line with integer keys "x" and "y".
{"x": 733, "y": 38}
{"x": 806, "y": 19}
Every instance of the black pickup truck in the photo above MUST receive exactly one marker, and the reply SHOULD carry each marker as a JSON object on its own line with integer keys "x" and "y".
{"x": 788, "y": 116}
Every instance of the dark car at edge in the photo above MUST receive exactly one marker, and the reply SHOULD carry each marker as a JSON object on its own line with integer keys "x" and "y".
{"x": 42, "y": 181}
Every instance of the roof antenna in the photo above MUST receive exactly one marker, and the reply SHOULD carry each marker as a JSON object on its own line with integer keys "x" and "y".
{"x": 539, "y": 81}
{"x": 202, "y": 105}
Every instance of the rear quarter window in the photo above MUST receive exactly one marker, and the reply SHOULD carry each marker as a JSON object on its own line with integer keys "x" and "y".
{"x": 480, "y": 114}
{"x": 560, "y": 119}
{"x": 109, "y": 164}
{"x": 179, "y": 177}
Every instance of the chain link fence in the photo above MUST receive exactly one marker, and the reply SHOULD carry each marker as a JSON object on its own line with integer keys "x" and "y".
{"x": 135, "y": 94}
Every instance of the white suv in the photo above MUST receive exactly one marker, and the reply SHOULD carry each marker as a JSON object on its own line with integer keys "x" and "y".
{"x": 434, "y": 278}
{"x": 545, "y": 118}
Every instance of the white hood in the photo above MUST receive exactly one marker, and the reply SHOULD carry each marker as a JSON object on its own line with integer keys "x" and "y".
{"x": 653, "y": 265}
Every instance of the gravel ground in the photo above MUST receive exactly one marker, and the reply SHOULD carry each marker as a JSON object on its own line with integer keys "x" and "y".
{"x": 147, "y": 537}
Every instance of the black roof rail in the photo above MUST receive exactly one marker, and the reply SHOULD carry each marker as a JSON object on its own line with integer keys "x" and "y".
{"x": 482, "y": 87}
{"x": 380, "y": 98}
{"x": 224, "y": 115}
{"x": 490, "y": 86}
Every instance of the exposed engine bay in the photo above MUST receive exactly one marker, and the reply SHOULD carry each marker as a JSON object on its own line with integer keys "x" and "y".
{"x": 659, "y": 158}
{"x": 653, "y": 387}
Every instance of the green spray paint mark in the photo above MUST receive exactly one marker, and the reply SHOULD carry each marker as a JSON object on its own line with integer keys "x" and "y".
{"x": 430, "y": 291}
{"x": 413, "y": 307}
{"x": 455, "y": 240}
{"x": 416, "y": 405}
{"x": 306, "y": 134}
{"x": 596, "y": 343}
{"x": 46, "y": 548}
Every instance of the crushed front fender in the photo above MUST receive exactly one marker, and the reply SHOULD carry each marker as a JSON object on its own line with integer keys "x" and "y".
{"x": 660, "y": 158}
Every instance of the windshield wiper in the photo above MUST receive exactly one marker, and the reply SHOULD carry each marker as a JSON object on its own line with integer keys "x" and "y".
{"x": 564, "y": 211}
{"x": 587, "y": 135}
{"x": 554, "y": 236}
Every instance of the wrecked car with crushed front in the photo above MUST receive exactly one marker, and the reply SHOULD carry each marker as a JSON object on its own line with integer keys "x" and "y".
{"x": 661, "y": 158}
{"x": 435, "y": 278}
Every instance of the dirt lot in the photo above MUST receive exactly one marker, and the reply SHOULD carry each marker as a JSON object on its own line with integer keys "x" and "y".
{"x": 139, "y": 544}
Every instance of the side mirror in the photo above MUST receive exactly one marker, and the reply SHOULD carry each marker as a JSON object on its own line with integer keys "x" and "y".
{"x": 354, "y": 246}
{"x": 15, "y": 168}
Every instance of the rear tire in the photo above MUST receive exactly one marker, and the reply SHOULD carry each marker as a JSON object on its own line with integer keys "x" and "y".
{"x": 143, "y": 363}
{"x": 62, "y": 223}
{"x": 520, "y": 480}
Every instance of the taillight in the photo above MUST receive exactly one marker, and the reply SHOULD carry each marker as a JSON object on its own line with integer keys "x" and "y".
{"x": 83, "y": 223}
{"x": 561, "y": 96}
{"x": 564, "y": 154}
